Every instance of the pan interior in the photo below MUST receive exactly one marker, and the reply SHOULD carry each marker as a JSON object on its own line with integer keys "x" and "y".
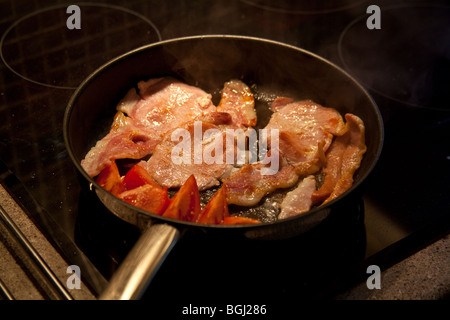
{"x": 270, "y": 69}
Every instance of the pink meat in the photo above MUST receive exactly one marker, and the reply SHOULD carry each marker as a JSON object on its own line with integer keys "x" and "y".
{"x": 144, "y": 118}
{"x": 343, "y": 159}
{"x": 236, "y": 110}
{"x": 237, "y": 100}
{"x": 173, "y": 174}
{"x": 306, "y": 132}
{"x": 299, "y": 200}
{"x": 166, "y": 103}
{"x": 280, "y": 102}
{"x": 248, "y": 186}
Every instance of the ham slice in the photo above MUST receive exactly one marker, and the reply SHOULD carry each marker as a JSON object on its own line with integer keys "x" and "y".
{"x": 236, "y": 110}
{"x": 124, "y": 141}
{"x": 342, "y": 160}
{"x": 305, "y": 116}
{"x": 306, "y": 132}
{"x": 248, "y": 186}
{"x": 144, "y": 117}
{"x": 237, "y": 100}
{"x": 280, "y": 102}
{"x": 166, "y": 103}
{"x": 299, "y": 200}
{"x": 172, "y": 170}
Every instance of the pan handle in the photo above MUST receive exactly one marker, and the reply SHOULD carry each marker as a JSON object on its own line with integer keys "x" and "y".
{"x": 141, "y": 264}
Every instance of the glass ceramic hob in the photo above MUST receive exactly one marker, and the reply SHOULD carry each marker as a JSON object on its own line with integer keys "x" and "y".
{"x": 405, "y": 66}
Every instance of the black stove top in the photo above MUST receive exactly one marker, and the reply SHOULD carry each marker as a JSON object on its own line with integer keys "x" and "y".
{"x": 405, "y": 65}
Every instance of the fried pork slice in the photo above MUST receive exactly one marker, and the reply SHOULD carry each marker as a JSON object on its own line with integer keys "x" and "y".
{"x": 298, "y": 200}
{"x": 179, "y": 156}
{"x": 306, "y": 132}
{"x": 125, "y": 140}
{"x": 342, "y": 160}
{"x": 159, "y": 106}
{"x": 237, "y": 100}
{"x": 300, "y": 116}
{"x": 305, "y": 152}
{"x": 166, "y": 103}
{"x": 280, "y": 102}
{"x": 236, "y": 110}
{"x": 248, "y": 186}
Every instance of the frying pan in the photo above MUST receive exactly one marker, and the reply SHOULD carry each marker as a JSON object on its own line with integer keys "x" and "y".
{"x": 270, "y": 68}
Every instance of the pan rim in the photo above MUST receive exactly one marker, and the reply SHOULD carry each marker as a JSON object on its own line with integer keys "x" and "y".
{"x": 118, "y": 59}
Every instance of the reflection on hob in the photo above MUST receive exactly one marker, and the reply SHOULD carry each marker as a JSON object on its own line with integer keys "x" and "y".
{"x": 405, "y": 67}
{"x": 403, "y": 61}
{"x": 42, "y": 62}
{"x": 41, "y": 49}
{"x": 201, "y": 264}
{"x": 304, "y": 7}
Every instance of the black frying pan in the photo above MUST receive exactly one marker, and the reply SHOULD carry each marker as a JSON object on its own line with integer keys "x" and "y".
{"x": 271, "y": 69}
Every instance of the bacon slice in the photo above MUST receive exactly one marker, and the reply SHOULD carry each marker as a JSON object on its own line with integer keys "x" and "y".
{"x": 237, "y": 100}
{"x": 167, "y": 103}
{"x": 342, "y": 160}
{"x": 304, "y": 116}
{"x": 248, "y": 186}
{"x": 306, "y": 132}
{"x": 172, "y": 173}
{"x": 124, "y": 141}
{"x": 236, "y": 110}
{"x": 161, "y": 105}
{"x": 299, "y": 200}
{"x": 280, "y": 102}
{"x": 304, "y": 152}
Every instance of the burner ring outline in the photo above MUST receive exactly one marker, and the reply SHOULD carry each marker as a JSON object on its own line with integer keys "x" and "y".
{"x": 35, "y": 13}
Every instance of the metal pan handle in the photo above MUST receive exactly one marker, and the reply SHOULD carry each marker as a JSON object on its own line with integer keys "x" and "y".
{"x": 134, "y": 274}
